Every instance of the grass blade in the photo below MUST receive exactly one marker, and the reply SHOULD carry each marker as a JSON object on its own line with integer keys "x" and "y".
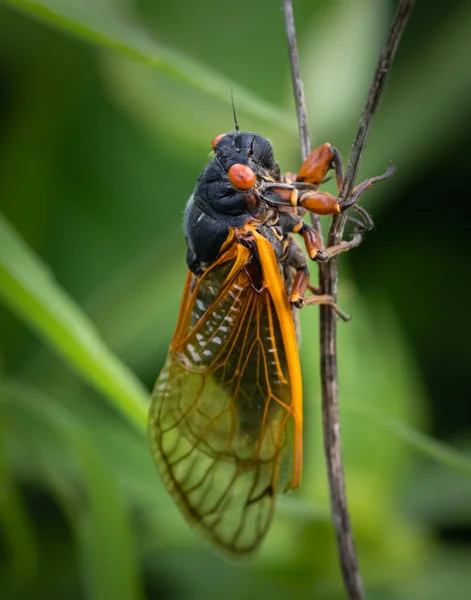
{"x": 101, "y": 523}
{"x": 104, "y": 25}
{"x": 18, "y": 531}
{"x": 429, "y": 447}
{"x": 32, "y": 293}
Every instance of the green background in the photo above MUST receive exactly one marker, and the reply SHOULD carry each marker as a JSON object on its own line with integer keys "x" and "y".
{"x": 107, "y": 112}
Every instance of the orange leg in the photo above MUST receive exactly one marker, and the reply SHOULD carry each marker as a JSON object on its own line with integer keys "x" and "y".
{"x": 301, "y": 193}
{"x": 311, "y": 240}
{"x": 311, "y": 174}
{"x": 315, "y": 167}
{"x": 291, "y": 223}
{"x": 300, "y": 284}
{"x": 323, "y": 203}
{"x": 297, "y": 260}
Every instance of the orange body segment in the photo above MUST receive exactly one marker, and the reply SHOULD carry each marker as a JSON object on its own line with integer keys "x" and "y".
{"x": 315, "y": 167}
{"x": 320, "y": 203}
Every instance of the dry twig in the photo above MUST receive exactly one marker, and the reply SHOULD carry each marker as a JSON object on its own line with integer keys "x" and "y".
{"x": 328, "y": 279}
{"x": 299, "y": 98}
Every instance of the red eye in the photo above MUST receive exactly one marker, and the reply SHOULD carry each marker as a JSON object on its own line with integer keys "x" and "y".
{"x": 242, "y": 176}
{"x": 216, "y": 140}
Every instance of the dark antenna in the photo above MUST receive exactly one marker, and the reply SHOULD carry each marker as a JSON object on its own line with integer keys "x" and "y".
{"x": 234, "y": 112}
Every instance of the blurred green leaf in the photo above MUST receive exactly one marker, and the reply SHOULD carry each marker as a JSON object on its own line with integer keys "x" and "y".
{"x": 419, "y": 98}
{"x": 446, "y": 574}
{"x": 437, "y": 497}
{"x": 110, "y": 26}
{"x": 433, "y": 449}
{"x": 427, "y": 96}
{"x": 31, "y": 292}
{"x": 101, "y": 525}
{"x": 361, "y": 25}
{"x": 15, "y": 523}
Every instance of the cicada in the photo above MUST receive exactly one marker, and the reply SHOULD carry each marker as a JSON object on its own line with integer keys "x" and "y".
{"x": 225, "y": 422}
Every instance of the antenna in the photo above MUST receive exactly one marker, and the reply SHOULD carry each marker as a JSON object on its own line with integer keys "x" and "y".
{"x": 234, "y": 112}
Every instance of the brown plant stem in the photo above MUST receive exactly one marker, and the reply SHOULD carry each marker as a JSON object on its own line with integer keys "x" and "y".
{"x": 328, "y": 278}
{"x": 299, "y": 98}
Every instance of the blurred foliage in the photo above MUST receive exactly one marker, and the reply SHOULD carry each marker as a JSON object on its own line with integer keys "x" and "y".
{"x": 106, "y": 115}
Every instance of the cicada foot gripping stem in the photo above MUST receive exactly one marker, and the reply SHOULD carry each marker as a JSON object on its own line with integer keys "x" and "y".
{"x": 301, "y": 192}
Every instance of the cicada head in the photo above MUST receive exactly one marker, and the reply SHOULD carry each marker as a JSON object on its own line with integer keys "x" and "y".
{"x": 229, "y": 189}
{"x": 229, "y": 193}
{"x": 249, "y": 149}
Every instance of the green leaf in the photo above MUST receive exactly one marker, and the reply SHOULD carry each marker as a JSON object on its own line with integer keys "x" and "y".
{"x": 339, "y": 99}
{"x": 433, "y": 449}
{"x": 102, "y": 524}
{"x": 444, "y": 574}
{"x": 437, "y": 497}
{"x": 18, "y": 532}
{"x": 32, "y": 293}
{"x": 417, "y": 99}
{"x": 103, "y": 24}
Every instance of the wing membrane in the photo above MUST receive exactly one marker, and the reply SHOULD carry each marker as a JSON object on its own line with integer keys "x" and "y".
{"x": 224, "y": 423}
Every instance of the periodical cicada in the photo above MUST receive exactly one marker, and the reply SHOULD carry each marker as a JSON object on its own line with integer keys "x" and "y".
{"x": 225, "y": 423}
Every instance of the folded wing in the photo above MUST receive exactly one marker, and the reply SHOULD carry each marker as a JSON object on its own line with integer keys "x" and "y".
{"x": 225, "y": 423}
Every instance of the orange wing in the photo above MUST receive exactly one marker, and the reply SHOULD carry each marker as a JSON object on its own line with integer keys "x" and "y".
{"x": 225, "y": 423}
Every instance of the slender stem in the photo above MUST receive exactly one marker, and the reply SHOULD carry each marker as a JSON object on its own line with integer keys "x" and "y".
{"x": 329, "y": 284}
{"x": 299, "y": 98}
{"x": 298, "y": 87}
{"x": 328, "y": 323}
{"x": 384, "y": 64}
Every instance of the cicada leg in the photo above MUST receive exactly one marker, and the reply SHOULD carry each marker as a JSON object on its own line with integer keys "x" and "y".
{"x": 317, "y": 164}
{"x": 360, "y": 227}
{"x": 293, "y": 223}
{"x": 300, "y": 193}
{"x": 296, "y": 260}
{"x": 323, "y": 203}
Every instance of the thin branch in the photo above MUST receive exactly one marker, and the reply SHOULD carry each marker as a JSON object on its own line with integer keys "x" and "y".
{"x": 298, "y": 87}
{"x": 328, "y": 322}
{"x": 329, "y": 283}
{"x": 384, "y": 64}
{"x": 299, "y": 98}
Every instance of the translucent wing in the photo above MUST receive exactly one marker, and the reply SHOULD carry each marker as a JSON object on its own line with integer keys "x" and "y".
{"x": 225, "y": 421}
